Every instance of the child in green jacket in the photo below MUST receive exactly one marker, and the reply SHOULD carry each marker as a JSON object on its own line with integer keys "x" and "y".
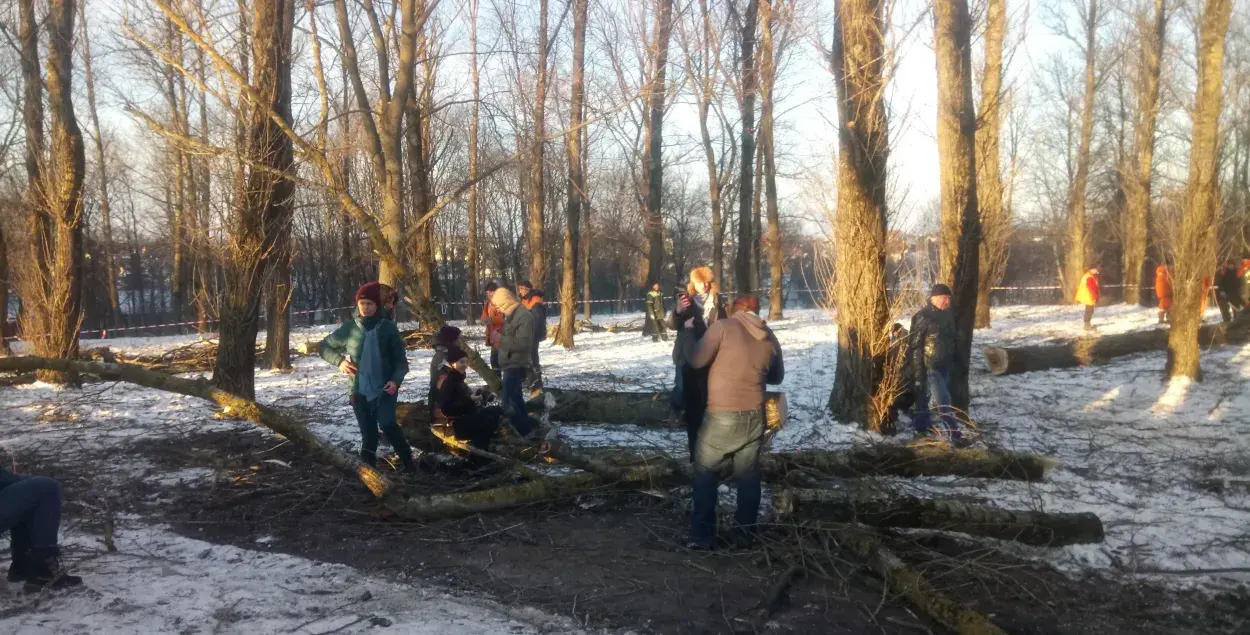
{"x": 370, "y": 351}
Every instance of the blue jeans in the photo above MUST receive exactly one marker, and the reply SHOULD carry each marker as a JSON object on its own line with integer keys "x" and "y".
{"x": 30, "y": 509}
{"x": 372, "y": 415}
{"x": 513, "y": 402}
{"x": 937, "y": 399}
{"x": 726, "y": 438}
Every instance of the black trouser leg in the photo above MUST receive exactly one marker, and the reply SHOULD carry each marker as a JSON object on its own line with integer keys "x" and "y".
{"x": 694, "y": 394}
{"x": 1089, "y": 315}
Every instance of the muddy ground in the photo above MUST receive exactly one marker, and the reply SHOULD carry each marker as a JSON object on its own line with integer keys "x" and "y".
{"x": 610, "y": 560}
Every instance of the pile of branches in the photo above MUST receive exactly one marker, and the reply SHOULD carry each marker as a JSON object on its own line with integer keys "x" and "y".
{"x": 809, "y": 486}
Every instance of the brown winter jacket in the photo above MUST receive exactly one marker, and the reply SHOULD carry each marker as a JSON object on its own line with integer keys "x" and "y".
{"x": 744, "y": 355}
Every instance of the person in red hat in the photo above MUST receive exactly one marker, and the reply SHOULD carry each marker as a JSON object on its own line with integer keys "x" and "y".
{"x": 369, "y": 350}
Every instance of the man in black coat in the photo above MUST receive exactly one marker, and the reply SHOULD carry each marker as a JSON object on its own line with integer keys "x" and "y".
{"x": 1228, "y": 290}
{"x": 931, "y": 346}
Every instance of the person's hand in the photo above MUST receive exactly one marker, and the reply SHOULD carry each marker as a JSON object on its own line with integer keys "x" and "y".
{"x": 391, "y": 388}
{"x": 347, "y": 368}
{"x": 683, "y": 302}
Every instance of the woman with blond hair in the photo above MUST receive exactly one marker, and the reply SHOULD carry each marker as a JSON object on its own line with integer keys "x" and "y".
{"x": 516, "y": 355}
{"x": 697, "y": 309}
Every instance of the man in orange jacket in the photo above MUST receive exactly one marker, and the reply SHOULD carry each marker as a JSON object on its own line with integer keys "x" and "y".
{"x": 1163, "y": 291}
{"x": 1087, "y": 294}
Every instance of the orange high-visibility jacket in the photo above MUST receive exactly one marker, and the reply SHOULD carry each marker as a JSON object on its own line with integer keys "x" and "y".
{"x": 1163, "y": 287}
{"x": 1087, "y": 291}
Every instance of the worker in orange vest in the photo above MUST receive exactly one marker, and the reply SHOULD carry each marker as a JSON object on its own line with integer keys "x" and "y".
{"x": 493, "y": 319}
{"x": 1087, "y": 294}
{"x": 1163, "y": 291}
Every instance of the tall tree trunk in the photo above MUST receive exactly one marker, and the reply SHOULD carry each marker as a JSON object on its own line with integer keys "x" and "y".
{"x": 475, "y": 277}
{"x": 584, "y": 250}
{"x": 106, "y": 224}
{"x": 859, "y": 392}
{"x": 746, "y": 107}
{"x": 278, "y": 309}
{"x": 61, "y": 185}
{"x": 1196, "y": 252}
{"x": 263, "y": 198}
{"x": 961, "y": 224}
{"x": 32, "y": 115}
{"x": 776, "y": 261}
{"x": 995, "y": 226}
{"x": 1078, "y": 225}
{"x": 577, "y": 182}
{"x": 537, "y": 200}
{"x": 205, "y": 261}
{"x": 1138, "y": 186}
{"x": 756, "y": 234}
{"x": 652, "y": 158}
{"x": 704, "y": 91}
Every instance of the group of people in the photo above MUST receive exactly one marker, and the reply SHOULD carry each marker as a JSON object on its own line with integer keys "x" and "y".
{"x": 1231, "y": 284}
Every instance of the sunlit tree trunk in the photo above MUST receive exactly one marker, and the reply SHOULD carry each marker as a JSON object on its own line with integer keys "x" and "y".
{"x": 537, "y": 200}
{"x": 475, "y": 276}
{"x": 961, "y": 224}
{"x": 576, "y": 182}
{"x": 1137, "y": 178}
{"x": 106, "y": 224}
{"x": 652, "y": 158}
{"x": 746, "y": 178}
{"x": 860, "y": 223}
{"x": 995, "y": 226}
{"x": 1196, "y": 252}
{"x": 776, "y": 262}
{"x": 1078, "y": 225}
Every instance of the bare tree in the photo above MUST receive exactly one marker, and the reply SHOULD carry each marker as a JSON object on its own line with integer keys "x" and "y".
{"x": 746, "y": 106}
{"x": 576, "y": 181}
{"x": 537, "y": 200}
{"x": 860, "y": 224}
{"x": 652, "y": 158}
{"x": 768, "y": 82}
{"x": 1078, "y": 223}
{"x": 106, "y": 224}
{"x": 475, "y": 275}
{"x": 1137, "y": 178}
{"x": 961, "y": 224}
{"x": 1196, "y": 253}
{"x": 262, "y": 205}
{"x": 995, "y": 225}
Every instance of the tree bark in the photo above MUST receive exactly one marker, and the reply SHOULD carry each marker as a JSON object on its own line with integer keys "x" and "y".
{"x": 1196, "y": 252}
{"x": 1138, "y": 177}
{"x": 746, "y": 107}
{"x": 576, "y": 182}
{"x": 859, "y": 392}
{"x": 909, "y": 462}
{"x": 776, "y": 262}
{"x": 961, "y": 224}
{"x": 1040, "y": 529}
{"x": 652, "y": 158}
{"x": 263, "y": 203}
{"x": 278, "y": 309}
{"x": 706, "y": 72}
{"x": 1078, "y": 225}
{"x": 475, "y": 277}
{"x": 537, "y": 200}
{"x": 106, "y": 224}
{"x": 995, "y": 225}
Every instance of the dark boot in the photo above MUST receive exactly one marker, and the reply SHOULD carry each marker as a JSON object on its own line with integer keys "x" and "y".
{"x": 20, "y": 547}
{"x": 47, "y": 573}
{"x": 369, "y": 459}
{"x": 19, "y": 569}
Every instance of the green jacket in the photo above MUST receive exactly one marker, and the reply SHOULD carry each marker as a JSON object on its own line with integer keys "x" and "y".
{"x": 655, "y": 305}
{"x": 350, "y": 336}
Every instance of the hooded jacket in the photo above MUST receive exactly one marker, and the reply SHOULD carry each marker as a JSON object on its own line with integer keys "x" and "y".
{"x": 931, "y": 342}
{"x": 743, "y": 356}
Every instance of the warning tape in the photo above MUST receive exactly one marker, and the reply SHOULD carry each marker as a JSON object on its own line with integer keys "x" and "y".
{"x": 104, "y": 332}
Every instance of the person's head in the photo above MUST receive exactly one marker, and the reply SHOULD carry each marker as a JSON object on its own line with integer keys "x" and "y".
{"x": 490, "y": 287}
{"x": 457, "y": 359}
{"x": 523, "y": 288}
{"x": 655, "y": 286}
{"x": 940, "y": 297}
{"x": 504, "y": 300}
{"x": 746, "y": 302}
{"x": 1229, "y": 263}
{"x": 446, "y": 336}
{"x": 368, "y": 298}
{"x": 702, "y": 281}
{"x": 896, "y": 329}
{"x": 1094, "y": 270}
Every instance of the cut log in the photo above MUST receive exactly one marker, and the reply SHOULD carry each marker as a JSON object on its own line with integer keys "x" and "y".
{"x": 908, "y": 583}
{"x": 277, "y": 421}
{"x": 1028, "y": 527}
{"x": 1096, "y": 350}
{"x": 649, "y": 409}
{"x": 897, "y": 460}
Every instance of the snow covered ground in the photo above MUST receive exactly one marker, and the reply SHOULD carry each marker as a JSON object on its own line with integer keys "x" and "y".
{"x": 1135, "y": 450}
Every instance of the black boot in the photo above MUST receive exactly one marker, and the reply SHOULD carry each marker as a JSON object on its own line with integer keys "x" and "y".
{"x": 370, "y": 459}
{"x": 46, "y": 572}
{"x": 20, "y": 547}
{"x": 18, "y": 570}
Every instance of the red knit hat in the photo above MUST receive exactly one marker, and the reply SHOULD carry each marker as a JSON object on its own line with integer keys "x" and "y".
{"x": 370, "y": 291}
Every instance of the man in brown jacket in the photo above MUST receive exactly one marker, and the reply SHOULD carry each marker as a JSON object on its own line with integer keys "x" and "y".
{"x": 742, "y": 355}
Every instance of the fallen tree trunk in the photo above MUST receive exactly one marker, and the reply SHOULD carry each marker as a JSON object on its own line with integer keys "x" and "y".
{"x": 651, "y": 409}
{"x": 264, "y": 416}
{"x": 1028, "y": 527}
{"x": 1096, "y": 350}
{"x": 897, "y": 460}
{"x": 908, "y": 583}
